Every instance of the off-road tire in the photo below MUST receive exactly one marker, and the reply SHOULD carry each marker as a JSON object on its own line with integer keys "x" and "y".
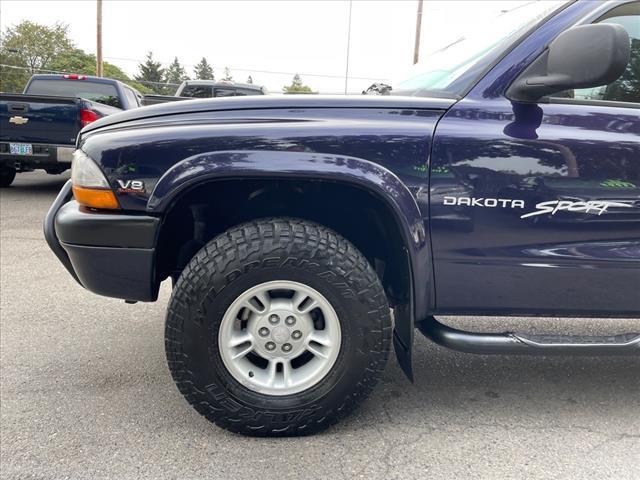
{"x": 261, "y": 251}
{"x": 7, "y": 176}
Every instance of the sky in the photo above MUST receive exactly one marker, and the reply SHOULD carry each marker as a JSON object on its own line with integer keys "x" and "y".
{"x": 269, "y": 40}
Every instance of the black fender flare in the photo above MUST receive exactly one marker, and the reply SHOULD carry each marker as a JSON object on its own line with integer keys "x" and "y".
{"x": 357, "y": 172}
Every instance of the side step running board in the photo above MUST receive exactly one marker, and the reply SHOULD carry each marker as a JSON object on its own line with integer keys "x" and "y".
{"x": 526, "y": 344}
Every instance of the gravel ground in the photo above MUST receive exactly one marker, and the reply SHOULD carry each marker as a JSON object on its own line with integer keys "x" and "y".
{"x": 85, "y": 393}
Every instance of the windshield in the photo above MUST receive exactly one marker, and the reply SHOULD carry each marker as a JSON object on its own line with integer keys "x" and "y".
{"x": 452, "y": 69}
{"x": 96, "y": 92}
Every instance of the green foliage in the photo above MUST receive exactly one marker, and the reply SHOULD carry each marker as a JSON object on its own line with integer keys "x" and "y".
{"x": 36, "y": 45}
{"x": 12, "y": 80}
{"x": 74, "y": 60}
{"x": 297, "y": 86}
{"x": 227, "y": 75}
{"x": 30, "y": 46}
{"x": 34, "y": 48}
{"x": 111, "y": 71}
{"x": 78, "y": 61}
{"x": 203, "y": 71}
{"x": 151, "y": 71}
{"x": 176, "y": 73}
{"x": 627, "y": 87}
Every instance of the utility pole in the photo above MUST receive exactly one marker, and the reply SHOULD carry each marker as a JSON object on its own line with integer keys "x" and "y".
{"x": 416, "y": 48}
{"x": 99, "y": 39}
{"x": 346, "y": 73}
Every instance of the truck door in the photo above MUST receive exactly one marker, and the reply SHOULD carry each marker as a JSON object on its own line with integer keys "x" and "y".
{"x": 545, "y": 214}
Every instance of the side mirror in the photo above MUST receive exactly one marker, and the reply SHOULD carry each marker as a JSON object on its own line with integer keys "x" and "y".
{"x": 581, "y": 57}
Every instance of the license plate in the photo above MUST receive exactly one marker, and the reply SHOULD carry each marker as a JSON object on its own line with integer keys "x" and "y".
{"x": 20, "y": 149}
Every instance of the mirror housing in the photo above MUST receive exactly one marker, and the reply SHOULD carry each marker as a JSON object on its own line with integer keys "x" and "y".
{"x": 581, "y": 57}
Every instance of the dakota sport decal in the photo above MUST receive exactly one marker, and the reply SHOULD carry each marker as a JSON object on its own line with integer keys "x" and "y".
{"x": 595, "y": 207}
{"x": 484, "y": 202}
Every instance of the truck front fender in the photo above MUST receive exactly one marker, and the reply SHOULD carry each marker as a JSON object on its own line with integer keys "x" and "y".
{"x": 353, "y": 171}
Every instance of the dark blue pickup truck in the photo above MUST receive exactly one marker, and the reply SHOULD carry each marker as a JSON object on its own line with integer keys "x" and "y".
{"x": 306, "y": 234}
{"x": 40, "y": 126}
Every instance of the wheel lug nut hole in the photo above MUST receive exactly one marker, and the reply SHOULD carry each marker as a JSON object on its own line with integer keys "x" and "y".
{"x": 290, "y": 320}
{"x": 270, "y": 346}
{"x": 263, "y": 332}
{"x": 296, "y": 334}
{"x": 286, "y": 347}
{"x": 273, "y": 319}
{"x": 250, "y": 374}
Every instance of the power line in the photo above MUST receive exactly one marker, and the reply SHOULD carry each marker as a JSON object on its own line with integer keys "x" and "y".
{"x": 67, "y": 73}
{"x": 250, "y": 70}
{"x": 237, "y": 69}
{"x": 146, "y": 82}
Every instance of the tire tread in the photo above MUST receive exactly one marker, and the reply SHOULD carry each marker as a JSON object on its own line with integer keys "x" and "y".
{"x": 237, "y": 245}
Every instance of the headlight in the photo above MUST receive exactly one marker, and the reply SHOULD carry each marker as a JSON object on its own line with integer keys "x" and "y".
{"x": 90, "y": 187}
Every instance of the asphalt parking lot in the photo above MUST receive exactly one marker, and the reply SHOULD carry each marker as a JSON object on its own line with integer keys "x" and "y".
{"x": 85, "y": 393}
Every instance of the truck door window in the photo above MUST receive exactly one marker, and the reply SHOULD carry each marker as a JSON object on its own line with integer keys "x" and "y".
{"x": 197, "y": 91}
{"x": 627, "y": 87}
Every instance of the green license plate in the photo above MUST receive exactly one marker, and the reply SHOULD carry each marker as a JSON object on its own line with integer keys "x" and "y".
{"x": 20, "y": 149}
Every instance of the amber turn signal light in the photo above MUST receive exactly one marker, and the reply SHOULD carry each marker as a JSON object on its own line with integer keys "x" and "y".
{"x": 95, "y": 198}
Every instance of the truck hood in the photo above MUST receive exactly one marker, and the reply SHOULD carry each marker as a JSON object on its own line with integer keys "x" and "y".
{"x": 273, "y": 102}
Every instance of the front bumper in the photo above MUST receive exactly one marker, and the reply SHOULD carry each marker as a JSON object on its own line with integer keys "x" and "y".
{"x": 110, "y": 254}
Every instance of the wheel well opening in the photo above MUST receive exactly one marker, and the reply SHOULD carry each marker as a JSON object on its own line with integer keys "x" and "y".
{"x": 358, "y": 215}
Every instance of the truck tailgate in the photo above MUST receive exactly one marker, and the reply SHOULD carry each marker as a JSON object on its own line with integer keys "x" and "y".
{"x": 39, "y": 119}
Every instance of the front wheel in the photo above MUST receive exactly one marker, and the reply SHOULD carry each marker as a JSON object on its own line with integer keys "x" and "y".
{"x": 277, "y": 327}
{"x": 7, "y": 175}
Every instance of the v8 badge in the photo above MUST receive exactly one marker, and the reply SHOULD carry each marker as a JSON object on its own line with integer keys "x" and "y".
{"x": 130, "y": 186}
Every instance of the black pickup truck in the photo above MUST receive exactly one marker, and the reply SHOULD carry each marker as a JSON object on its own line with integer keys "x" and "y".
{"x": 304, "y": 235}
{"x": 39, "y": 127}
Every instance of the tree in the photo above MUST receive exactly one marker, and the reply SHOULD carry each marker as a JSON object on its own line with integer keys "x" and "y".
{"x": 77, "y": 60}
{"x": 151, "y": 71}
{"x": 51, "y": 51}
{"x": 297, "y": 86}
{"x": 203, "y": 71}
{"x": 627, "y": 87}
{"x": 227, "y": 75}
{"x": 249, "y": 80}
{"x": 174, "y": 75}
{"x": 30, "y": 47}
{"x": 36, "y": 45}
